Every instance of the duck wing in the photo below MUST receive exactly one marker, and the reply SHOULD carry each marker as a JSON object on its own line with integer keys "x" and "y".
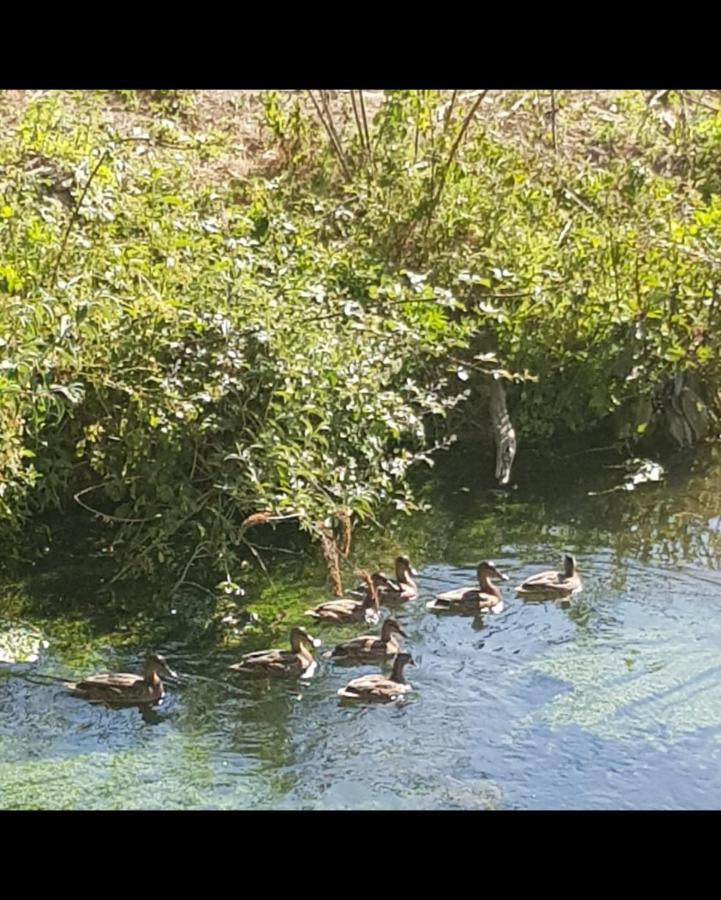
{"x": 335, "y": 606}
{"x": 460, "y": 595}
{"x": 543, "y": 579}
{"x": 269, "y": 659}
{"x": 363, "y": 644}
{"x": 366, "y": 684}
{"x": 112, "y": 681}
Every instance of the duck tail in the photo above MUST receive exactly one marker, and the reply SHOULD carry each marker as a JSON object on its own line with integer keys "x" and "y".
{"x": 438, "y": 604}
{"x": 345, "y": 694}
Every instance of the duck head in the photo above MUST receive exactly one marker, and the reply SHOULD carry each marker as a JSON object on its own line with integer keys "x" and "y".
{"x": 488, "y": 570}
{"x": 155, "y": 664}
{"x": 389, "y": 627}
{"x": 299, "y": 636}
{"x": 400, "y": 661}
{"x": 404, "y": 568}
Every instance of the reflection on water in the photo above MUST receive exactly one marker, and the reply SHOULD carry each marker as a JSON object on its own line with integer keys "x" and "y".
{"x": 610, "y": 701}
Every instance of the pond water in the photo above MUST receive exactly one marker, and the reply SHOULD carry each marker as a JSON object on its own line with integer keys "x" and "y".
{"x": 613, "y": 702}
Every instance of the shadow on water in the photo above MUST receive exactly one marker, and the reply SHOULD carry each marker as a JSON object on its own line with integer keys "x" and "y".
{"x": 611, "y": 700}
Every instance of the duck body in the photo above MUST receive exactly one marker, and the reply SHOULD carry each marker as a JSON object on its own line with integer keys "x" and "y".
{"x": 378, "y": 687}
{"x": 117, "y": 688}
{"x": 370, "y": 646}
{"x": 552, "y": 585}
{"x": 483, "y": 597}
{"x": 296, "y": 661}
{"x": 345, "y": 609}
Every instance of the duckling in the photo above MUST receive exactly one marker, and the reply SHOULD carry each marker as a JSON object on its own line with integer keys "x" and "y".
{"x": 369, "y": 646}
{"x": 296, "y": 661}
{"x": 402, "y": 587}
{"x": 348, "y": 610}
{"x": 378, "y": 687}
{"x": 123, "y": 688}
{"x": 485, "y": 597}
{"x": 552, "y": 585}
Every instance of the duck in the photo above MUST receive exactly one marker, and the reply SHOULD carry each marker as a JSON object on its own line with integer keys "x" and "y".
{"x": 350, "y": 610}
{"x": 402, "y": 587}
{"x": 370, "y": 646}
{"x": 378, "y": 687}
{"x": 296, "y": 661}
{"x": 552, "y": 585}
{"x": 484, "y": 597}
{"x": 123, "y": 687}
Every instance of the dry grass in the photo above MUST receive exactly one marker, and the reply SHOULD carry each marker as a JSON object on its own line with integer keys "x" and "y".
{"x": 235, "y": 119}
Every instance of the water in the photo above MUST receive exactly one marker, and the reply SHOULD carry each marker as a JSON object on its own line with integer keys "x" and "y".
{"x": 613, "y": 702}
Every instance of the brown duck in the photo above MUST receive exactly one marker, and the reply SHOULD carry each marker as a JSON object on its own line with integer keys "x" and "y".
{"x": 349, "y": 610}
{"x": 125, "y": 688}
{"x": 378, "y": 687}
{"x": 402, "y": 587}
{"x": 483, "y": 597}
{"x": 552, "y": 585}
{"x": 370, "y": 646}
{"x": 296, "y": 661}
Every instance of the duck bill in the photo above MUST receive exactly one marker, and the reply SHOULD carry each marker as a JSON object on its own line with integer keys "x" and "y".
{"x": 316, "y": 642}
{"x": 413, "y": 572}
{"x": 402, "y": 633}
{"x": 170, "y": 673}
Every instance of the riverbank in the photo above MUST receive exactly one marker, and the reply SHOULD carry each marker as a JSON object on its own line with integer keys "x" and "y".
{"x": 221, "y": 315}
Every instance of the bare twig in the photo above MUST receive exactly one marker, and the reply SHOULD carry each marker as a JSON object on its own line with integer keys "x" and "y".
{"x": 451, "y": 156}
{"x": 106, "y": 516}
{"x": 449, "y": 111}
{"x": 697, "y": 102}
{"x": 190, "y": 562}
{"x": 553, "y": 120}
{"x": 591, "y": 450}
{"x": 255, "y": 553}
{"x": 329, "y": 549}
{"x": 365, "y": 124}
{"x": 331, "y": 125}
{"x": 416, "y": 138}
{"x": 75, "y": 213}
{"x": 336, "y": 147}
{"x": 179, "y": 524}
{"x": 358, "y": 123}
{"x": 346, "y": 532}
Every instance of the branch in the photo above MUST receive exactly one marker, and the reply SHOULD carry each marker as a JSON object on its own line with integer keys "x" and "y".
{"x": 75, "y": 212}
{"x": 331, "y": 135}
{"x": 454, "y": 149}
{"x": 106, "y": 516}
{"x": 365, "y": 124}
{"x": 358, "y": 124}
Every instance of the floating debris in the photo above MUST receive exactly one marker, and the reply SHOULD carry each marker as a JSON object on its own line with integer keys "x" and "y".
{"x": 645, "y": 471}
{"x": 20, "y": 643}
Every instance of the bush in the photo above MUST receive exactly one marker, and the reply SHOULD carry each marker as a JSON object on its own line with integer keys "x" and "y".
{"x": 178, "y": 357}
